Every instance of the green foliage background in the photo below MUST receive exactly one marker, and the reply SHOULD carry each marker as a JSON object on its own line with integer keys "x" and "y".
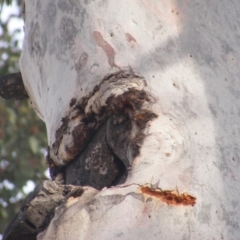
{"x": 22, "y": 136}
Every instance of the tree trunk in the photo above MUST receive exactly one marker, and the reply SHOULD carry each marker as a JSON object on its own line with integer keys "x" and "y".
{"x": 140, "y": 97}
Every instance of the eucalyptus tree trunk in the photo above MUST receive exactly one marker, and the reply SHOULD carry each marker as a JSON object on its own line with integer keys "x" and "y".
{"x": 141, "y": 104}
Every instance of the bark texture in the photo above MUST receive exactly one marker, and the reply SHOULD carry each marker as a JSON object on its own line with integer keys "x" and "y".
{"x": 11, "y": 86}
{"x": 183, "y": 58}
{"x": 38, "y": 209}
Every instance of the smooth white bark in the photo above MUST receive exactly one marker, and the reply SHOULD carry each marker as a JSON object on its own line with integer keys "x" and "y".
{"x": 189, "y": 53}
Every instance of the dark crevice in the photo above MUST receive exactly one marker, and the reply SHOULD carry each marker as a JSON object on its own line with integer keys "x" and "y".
{"x": 86, "y": 169}
{"x": 28, "y": 223}
{"x": 97, "y": 165}
{"x": 121, "y": 178}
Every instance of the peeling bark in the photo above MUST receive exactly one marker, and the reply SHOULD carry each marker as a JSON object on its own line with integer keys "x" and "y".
{"x": 38, "y": 209}
{"x": 139, "y": 208}
{"x": 170, "y": 197}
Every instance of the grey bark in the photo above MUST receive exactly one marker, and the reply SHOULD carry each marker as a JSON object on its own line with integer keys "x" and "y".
{"x": 38, "y": 209}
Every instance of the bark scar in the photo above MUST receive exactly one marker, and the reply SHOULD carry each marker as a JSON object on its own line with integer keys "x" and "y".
{"x": 120, "y": 101}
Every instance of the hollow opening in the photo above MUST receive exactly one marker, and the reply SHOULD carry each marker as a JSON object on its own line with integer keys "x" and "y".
{"x": 97, "y": 165}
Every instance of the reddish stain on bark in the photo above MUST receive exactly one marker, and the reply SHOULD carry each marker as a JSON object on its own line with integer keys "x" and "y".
{"x": 170, "y": 197}
{"x": 131, "y": 40}
{"x": 129, "y": 37}
{"x": 107, "y": 48}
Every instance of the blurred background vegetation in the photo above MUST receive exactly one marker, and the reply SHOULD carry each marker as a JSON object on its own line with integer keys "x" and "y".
{"x": 22, "y": 134}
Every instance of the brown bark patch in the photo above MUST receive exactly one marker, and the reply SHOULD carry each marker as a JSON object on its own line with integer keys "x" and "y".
{"x": 170, "y": 197}
{"x": 107, "y": 48}
{"x": 12, "y": 87}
